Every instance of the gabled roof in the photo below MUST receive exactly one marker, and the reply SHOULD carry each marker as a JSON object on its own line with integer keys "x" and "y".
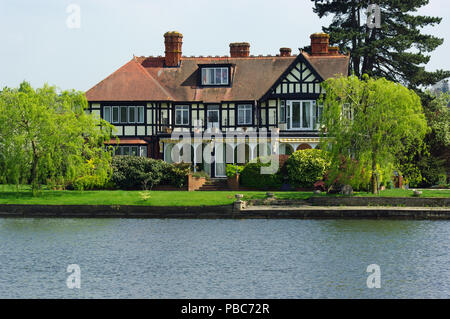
{"x": 131, "y": 82}
{"x": 329, "y": 66}
{"x": 146, "y": 78}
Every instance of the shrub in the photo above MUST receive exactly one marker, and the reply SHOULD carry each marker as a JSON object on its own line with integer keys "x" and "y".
{"x": 200, "y": 174}
{"x": 176, "y": 174}
{"x": 306, "y": 167}
{"x": 251, "y": 175}
{"x": 94, "y": 174}
{"x": 132, "y": 172}
{"x": 231, "y": 169}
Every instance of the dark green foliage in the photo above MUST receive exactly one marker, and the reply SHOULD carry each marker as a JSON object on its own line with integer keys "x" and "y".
{"x": 251, "y": 175}
{"x": 176, "y": 174}
{"x": 384, "y": 52}
{"x": 133, "y": 172}
{"x": 427, "y": 165}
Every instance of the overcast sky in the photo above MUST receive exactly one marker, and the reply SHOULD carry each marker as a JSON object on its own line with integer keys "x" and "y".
{"x": 37, "y": 45}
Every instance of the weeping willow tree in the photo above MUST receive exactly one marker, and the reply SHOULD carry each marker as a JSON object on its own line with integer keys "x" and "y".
{"x": 46, "y": 137}
{"x": 366, "y": 124}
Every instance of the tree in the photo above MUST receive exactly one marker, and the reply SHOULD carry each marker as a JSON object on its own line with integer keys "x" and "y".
{"x": 367, "y": 123}
{"x": 396, "y": 51}
{"x": 47, "y": 138}
{"x": 427, "y": 164}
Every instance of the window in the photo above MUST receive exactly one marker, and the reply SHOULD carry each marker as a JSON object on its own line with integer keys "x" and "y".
{"x": 131, "y": 114}
{"x": 244, "y": 114}
{"x": 283, "y": 112}
{"x": 131, "y": 150}
{"x": 123, "y": 114}
{"x": 140, "y": 114}
{"x": 182, "y": 115}
{"x": 215, "y": 76}
{"x": 318, "y": 111}
{"x": 300, "y": 115}
{"x": 115, "y": 118}
{"x": 107, "y": 113}
{"x": 212, "y": 116}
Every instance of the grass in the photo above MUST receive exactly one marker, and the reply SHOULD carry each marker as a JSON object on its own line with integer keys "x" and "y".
{"x": 22, "y": 195}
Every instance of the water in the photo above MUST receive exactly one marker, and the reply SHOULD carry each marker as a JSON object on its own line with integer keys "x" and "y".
{"x": 127, "y": 258}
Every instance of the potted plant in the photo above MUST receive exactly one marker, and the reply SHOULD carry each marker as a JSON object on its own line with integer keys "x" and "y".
{"x": 233, "y": 172}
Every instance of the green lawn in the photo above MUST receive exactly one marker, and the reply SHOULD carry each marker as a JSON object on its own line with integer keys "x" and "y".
{"x": 11, "y": 195}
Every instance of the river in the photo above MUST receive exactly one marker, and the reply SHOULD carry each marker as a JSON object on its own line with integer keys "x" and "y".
{"x": 168, "y": 258}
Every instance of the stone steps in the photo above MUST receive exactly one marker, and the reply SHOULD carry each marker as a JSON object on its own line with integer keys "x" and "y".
{"x": 215, "y": 184}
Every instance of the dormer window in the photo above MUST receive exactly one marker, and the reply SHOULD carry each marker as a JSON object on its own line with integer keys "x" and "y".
{"x": 215, "y": 75}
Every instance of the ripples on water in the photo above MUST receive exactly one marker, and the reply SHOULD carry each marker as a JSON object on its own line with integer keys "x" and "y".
{"x": 126, "y": 258}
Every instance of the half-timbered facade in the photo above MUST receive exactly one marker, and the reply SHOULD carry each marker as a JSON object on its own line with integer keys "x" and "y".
{"x": 152, "y": 99}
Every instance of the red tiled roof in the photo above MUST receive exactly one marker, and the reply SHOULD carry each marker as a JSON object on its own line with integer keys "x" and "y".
{"x": 146, "y": 78}
{"x": 329, "y": 66}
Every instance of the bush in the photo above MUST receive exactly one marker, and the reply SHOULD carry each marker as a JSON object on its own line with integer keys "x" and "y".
{"x": 306, "y": 167}
{"x": 133, "y": 172}
{"x": 231, "y": 169}
{"x": 251, "y": 175}
{"x": 432, "y": 170}
{"x": 176, "y": 174}
{"x": 200, "y": 174}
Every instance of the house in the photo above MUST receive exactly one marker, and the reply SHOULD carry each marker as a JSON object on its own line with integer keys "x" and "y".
{"x": 152, "y": 100}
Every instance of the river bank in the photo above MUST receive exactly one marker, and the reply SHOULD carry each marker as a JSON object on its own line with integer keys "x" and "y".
{"x": 225, "y": 212}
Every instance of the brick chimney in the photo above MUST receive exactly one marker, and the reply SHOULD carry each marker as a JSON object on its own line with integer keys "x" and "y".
{"x": 285, "y": 51}
{"x": 173, "y": 42}
{"x": 333, "y": 50}
{"x": 240, "y": 50}
{"x": 319, "y": 43}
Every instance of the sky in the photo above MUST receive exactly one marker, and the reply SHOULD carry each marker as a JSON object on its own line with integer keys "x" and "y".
{"x": 42, "y": 42}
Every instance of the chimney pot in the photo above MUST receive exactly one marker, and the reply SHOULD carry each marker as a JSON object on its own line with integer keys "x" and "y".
{"x": 285, "y": 51}
{"x": 173, "y": 42}
{"x": 319, "y": 43}
{"x": 239, "y": 49}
